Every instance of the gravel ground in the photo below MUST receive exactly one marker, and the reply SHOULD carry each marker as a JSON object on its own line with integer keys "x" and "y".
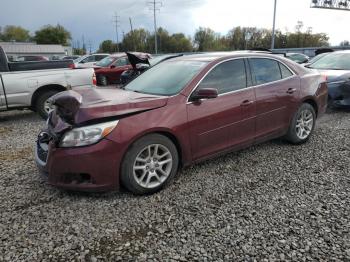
{"x": 274, "y": 201}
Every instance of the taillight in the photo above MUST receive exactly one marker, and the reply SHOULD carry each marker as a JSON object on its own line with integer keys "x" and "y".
{"x": 72, "y": 66}
{"x": 94, "y": 80}
{"x": 324, "y": 78}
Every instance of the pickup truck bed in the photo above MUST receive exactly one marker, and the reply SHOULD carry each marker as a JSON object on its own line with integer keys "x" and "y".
{"x": 31, "y": 84}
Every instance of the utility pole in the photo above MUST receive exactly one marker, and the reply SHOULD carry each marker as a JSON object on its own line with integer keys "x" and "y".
{"x": 132, "y": 35}
{"x": 90, "y": 46}
{"x": 155, "y": 5}
{"x": 116, "y": 21}
{"x": 84, "y": 47}
{"x": 274, "y": 26}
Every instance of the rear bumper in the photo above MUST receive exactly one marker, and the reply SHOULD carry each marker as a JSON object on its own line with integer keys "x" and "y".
{"x": 92, "y": 168}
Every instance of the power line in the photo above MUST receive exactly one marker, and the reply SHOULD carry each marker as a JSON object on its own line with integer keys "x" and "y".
{"x": 116, "y": 21}
{"x": 155, "y": 6}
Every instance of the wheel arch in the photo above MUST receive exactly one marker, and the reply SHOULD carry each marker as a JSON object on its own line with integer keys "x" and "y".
{"x": 44, "y": 89}
{"x": 164, "y": 132}
{"x": 311, "y": 102}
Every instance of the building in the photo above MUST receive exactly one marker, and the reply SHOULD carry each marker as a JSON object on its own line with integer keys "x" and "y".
{"x": 16, "y": 49}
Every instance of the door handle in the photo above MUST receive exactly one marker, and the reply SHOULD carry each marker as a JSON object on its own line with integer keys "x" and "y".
{"x": 247, "y": 103}
{"x": 291, "y": 90}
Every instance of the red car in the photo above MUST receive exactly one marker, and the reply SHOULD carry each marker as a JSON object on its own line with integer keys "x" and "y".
{"x": 178, "y": 112}
{"x": 109, "y": 69}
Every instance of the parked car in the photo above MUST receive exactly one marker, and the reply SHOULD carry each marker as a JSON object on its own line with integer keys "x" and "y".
{"x": 109, "y": 69}
{"x": 179, "y": 112}
{"x": 297, "y": 57}
{"x": 141, "y": 63}
{"x": 28, "y": 58}
{"x": 31, "y": 84}
{"x": 314, "y": 59}
{"x": 336, "y": 66}
{"x": 88, "y": 60}
{"x": 72, "y": 57}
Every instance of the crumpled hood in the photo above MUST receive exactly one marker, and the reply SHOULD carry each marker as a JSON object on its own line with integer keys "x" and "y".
{"x": 86, "y": 104}
{"x": 335, "y": 75}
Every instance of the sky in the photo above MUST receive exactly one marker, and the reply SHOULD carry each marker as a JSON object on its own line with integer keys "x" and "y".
{"x": 93, "y": 19}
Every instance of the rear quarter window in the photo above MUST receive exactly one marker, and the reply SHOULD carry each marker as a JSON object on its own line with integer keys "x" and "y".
{"x": 265, "y": 70}
{"x": 285, "y": 72}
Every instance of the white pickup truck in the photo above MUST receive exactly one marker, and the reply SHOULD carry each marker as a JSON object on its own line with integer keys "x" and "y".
{"x": 31, "y": 84}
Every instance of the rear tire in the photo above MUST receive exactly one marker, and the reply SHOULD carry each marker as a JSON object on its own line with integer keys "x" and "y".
{"x": 103, "y": 80}
{"x": 302, "y": 125}
{"x": 41, "y": 105}
{"x": 149, "y": 164}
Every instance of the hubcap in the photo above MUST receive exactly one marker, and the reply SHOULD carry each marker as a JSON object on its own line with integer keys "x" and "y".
{"x": 152, "y": 166}
{"x": 304, "y": 124}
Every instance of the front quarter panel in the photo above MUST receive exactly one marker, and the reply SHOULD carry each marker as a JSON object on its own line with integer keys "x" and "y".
{"x": 170, "y": 119}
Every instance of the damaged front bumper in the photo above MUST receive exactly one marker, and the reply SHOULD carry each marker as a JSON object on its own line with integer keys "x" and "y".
{"x": 91, "y": 168}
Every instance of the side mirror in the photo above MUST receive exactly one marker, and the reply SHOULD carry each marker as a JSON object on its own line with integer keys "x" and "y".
{"x": 205, "y": 93}
{"x": 112, "y": 66}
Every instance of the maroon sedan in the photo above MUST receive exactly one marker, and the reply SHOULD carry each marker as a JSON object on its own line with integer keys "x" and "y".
{"x": 181, "y": 111}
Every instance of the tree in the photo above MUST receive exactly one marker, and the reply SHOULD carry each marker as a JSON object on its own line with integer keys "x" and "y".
{"x": 204, "y": 39}
{"x": 179, "y": 43}
{"x": 107, "y": 46}
{"x": 52, "y": 35}
{"x": 345, "y": 43}
{"x": 14, "y": 33}
{"x": 137, "y": 40}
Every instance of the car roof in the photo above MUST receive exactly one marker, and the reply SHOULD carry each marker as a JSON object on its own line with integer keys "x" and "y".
{"x": 115, "y": 55}
{"x": 209, "y": 57}
{"x": 340, "y": 52}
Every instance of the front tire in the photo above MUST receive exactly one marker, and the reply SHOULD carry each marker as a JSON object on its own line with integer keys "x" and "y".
{"x": 42, "y": 106}
{"x": 149, "y": 164}
{"x": 302, "y": 125}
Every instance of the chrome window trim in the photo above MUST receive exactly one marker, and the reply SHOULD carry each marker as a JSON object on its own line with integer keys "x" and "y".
{"x": 248, "y": 87}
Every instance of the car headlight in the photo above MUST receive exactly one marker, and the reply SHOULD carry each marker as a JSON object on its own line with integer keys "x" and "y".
{"x": 87, "y": 135}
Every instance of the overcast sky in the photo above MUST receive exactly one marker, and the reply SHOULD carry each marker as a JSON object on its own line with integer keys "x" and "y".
{"x": 93, "y": 18}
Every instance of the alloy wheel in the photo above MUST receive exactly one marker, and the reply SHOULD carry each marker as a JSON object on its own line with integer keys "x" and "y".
{"x": 48, "y": 106}
{"x": 304, "y": 124}
{"x": 152, "y": 166}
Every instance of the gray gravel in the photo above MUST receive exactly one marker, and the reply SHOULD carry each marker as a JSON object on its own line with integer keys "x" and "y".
{"x": 274, "y": 201}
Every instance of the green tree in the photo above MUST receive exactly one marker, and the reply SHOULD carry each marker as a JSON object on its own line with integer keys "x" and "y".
{"x": 52, "y": 35}
{"x": 179, "y": 43}
{"x": 137, "y": 40}
{"x": 204, "y": 39}
{"x": 14, "y": 33}
{"x": 107, "y": 46}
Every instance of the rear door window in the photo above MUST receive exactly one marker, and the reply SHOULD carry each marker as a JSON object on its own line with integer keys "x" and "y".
{"x": 226, "y": 77}
{"x": 265, "y": 70}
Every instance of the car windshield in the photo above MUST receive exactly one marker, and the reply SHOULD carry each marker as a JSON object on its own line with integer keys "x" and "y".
{"x": 107, "y": 61}
{"x": 333, "y": 61}
{"x": 167, "y": 78}
{"x": 80, "y": 59}
{"x": 318, "y": 57}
